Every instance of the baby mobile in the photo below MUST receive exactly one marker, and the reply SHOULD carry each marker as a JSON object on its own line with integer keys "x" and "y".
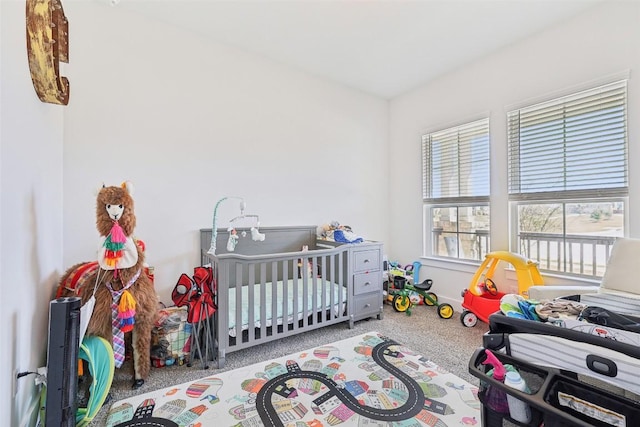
{"x": 233, "y": 233}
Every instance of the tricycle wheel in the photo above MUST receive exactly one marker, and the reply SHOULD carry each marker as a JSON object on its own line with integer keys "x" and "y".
{"x": 401, "y": 303}
{"x": 430, "y": 298}
{"x": 468, "y": 319}
{"x": 445, "y": 311}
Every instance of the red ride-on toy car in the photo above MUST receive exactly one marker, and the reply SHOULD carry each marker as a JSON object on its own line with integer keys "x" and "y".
{"x": 482, "y": 298}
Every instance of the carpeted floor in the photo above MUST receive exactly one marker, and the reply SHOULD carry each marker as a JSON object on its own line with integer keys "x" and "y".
{"x": 446, "y": 342}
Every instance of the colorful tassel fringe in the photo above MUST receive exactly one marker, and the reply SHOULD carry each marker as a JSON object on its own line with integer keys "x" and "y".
{"x": 117, "y": 235}
{"x": 114, "y": 245}
{"x": 126, "y": 311}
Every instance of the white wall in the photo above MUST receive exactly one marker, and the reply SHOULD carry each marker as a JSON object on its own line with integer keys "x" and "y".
{"x": 30, "y": 215}
{"x": 189, "y": 122}
{"x": 599, "y": 43}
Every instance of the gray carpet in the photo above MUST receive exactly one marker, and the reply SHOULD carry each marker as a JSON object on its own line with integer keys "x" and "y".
{"x": 446, "y": 342}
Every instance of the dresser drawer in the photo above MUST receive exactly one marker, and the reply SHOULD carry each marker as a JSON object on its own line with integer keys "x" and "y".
{"x": 366, "y": 260}
{"x": 367, "y": 304}
{"x": 366, "y": 282}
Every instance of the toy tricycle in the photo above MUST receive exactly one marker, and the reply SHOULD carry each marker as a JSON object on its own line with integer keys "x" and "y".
{"x": 482, "y": 298}
{"x": 406, "y": 293}
{"x": 402, "y": 301}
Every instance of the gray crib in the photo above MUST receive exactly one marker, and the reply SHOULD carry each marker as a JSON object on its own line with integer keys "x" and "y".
{"x": 273, "y": 289}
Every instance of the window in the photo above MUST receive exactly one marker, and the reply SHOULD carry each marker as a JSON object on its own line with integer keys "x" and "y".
{"x": 455, "y": 180}
{"x": 568, "y": 178}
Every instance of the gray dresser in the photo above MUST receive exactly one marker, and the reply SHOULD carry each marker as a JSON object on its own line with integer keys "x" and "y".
{"x": 365, "y": 277}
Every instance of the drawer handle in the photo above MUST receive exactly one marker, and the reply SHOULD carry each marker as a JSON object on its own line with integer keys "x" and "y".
{"x": 367, "y": 283}
{"x": 366, "y": 261}
{"x": 367, "y": 305}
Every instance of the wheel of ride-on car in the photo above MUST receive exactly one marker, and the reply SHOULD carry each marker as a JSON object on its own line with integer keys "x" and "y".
{"x": 430, "y": 299}
{"x": 401, "y": 303}
{"x": 468, "y": 319}
{"x": 445, "y": 311}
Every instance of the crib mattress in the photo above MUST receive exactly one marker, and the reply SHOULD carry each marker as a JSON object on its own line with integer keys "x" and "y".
{"x": 329, "y": 288}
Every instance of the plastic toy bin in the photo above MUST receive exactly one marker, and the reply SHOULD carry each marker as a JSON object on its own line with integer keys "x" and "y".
{"x": 557, "y": 398}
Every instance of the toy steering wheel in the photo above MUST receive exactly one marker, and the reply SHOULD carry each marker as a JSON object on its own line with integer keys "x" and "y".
{"x": 490, "y": 287}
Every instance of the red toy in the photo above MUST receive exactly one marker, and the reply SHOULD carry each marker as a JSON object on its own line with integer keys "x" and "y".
{"x": 482, "y": 298}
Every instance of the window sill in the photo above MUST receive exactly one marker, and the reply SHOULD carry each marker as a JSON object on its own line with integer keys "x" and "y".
{"x": 556, "y": 279}
{"x": 451, "y": 264}
{"x": 510, "y": 282}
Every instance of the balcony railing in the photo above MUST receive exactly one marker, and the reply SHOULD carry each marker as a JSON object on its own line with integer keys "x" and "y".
{"x": 473, "y": 245}
{"x": 573, "y": 254}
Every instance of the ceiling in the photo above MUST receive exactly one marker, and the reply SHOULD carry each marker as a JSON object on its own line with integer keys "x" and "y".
{"x": 384, "y": 48}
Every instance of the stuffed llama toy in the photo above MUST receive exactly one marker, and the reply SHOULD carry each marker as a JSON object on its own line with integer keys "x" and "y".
{"x": 125, "y": 299}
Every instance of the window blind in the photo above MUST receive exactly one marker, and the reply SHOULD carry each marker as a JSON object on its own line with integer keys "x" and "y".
{"x": 455, "y": 164}
{"x": 570, "y": 147}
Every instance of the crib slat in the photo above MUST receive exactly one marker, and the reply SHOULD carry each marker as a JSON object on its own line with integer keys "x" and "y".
{"x": 330, "y": 261}
{"x": 285, "y": 265}
{"x": 320, "y": 272}
{"x": 305, "y": 298}
{"x": 238, "y": 309}
{"x": 251, "y": 300}
{"x": 262, "y": 331}
{"x": 275, "y": 292}
{"x": 296, "y": 306}
{"x": 317, "y": 287}
{"x": 341, "y": 281}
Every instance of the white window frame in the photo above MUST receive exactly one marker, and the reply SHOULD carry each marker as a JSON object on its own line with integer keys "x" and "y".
{"x": 459, "y": 193}
{"x": 583, "y": 134}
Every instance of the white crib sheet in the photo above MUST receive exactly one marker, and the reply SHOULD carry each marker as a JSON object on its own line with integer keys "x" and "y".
{"x": 329, "y": 286}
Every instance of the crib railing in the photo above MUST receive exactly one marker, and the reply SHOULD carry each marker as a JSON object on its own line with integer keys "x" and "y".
{"x": 274, "y": 296}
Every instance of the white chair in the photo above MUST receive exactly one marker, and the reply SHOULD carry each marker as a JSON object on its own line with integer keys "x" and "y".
{"x": 619, "y": 289}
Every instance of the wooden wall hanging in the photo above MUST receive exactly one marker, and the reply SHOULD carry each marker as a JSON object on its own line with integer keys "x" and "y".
{"x": 47, "y": 46}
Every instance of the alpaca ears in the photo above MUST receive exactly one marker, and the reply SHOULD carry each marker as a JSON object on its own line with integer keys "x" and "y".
{"x": 128, "y": 185}
{"x": 97, "y": 189}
